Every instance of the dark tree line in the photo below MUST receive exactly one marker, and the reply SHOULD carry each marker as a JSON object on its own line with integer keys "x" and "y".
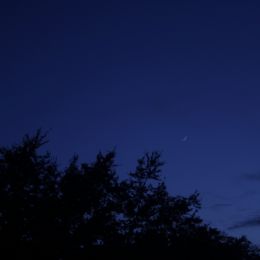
{"x": 86, "y": 210}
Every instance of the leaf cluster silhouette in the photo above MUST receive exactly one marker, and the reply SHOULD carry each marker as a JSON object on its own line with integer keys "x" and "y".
{"x": 86, "y": 210}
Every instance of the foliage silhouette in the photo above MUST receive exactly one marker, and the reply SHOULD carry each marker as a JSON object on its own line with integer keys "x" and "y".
{"x": 86, "y": 209}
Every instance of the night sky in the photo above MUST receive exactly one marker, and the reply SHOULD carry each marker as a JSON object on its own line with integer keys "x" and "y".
{"x": 181, "y": 77}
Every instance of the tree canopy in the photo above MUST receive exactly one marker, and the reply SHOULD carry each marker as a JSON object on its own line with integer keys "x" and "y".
{"x": 87, "y": 208}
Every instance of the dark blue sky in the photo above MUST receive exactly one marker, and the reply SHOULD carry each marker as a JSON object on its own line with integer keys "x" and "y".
{"x": 140, "y": 76}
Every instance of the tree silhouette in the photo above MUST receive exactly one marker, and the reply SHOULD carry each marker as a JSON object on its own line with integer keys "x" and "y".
{"x": 86, "y": 208}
